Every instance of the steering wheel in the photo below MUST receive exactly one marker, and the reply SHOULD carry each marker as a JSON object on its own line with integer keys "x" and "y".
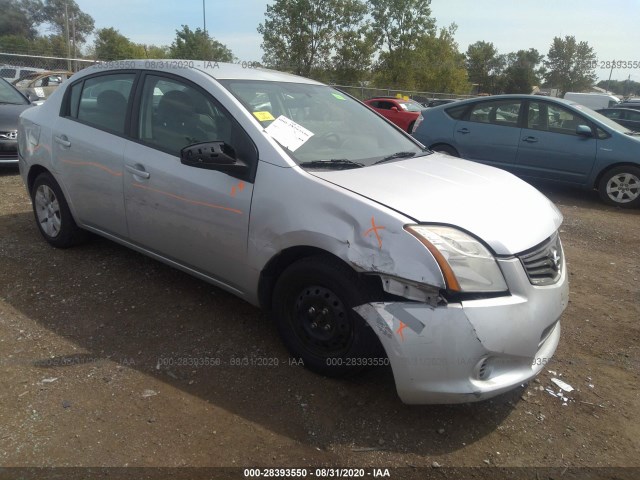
{"x": 332, "y": 139}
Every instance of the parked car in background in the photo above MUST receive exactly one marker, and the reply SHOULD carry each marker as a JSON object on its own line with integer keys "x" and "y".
{"x": 593, "y": 101}
{"x": 540, "y": 138}
{"x": 436, "y": 102}
{"x": 630, "y": 103}
{"x": 627, "y": 117}
{"x": 12, "y": 104}
{"x": 38, "y": 86}
{"x": 366, "y": 248}
{"x": 403, "y": 113}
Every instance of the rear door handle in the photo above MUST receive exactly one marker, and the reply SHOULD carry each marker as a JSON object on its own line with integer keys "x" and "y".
{"x": 530, "y": 139}
{"x": 463, "y": 131}
{"x": 62, "y": 140}
{"x": 137, "y": 170}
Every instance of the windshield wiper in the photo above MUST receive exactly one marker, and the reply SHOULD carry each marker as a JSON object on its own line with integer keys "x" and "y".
{"x": 397, "y": 155}
{"x": 337, "y": 162}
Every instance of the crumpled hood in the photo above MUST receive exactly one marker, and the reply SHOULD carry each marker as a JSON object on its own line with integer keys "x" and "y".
{"x": 507, "y": 213}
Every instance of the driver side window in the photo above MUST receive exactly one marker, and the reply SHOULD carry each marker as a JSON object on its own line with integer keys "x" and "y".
{"x": 174, "y": 115}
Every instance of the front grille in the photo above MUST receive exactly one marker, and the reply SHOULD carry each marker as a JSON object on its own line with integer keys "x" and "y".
{"x": 543, "y": 263}
{"x": 10, "y": 135}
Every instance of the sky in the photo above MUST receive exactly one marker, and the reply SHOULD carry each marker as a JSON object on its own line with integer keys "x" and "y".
{"x": 610, "y": 27}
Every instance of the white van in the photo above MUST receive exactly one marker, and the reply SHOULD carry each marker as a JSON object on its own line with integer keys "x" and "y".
{"x": 11, "y": 73}
{"x": 594, "y": 101}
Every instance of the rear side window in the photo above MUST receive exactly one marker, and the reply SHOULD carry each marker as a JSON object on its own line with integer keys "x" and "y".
{"x": 498, "y": 113}
{"x": 103, "y": 101}
{"x": 8, "y": 73}
{"x": 456, "y": 112}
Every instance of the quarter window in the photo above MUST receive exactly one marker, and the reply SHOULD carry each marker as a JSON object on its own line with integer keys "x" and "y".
{"x": 103, "y": 102}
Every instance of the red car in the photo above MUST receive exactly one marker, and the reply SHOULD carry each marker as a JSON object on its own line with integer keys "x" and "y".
{"x": 401, "y": 112}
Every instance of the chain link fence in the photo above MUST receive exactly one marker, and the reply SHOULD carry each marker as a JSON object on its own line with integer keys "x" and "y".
{"x": 14, "y": 66}
{"x": 364, "y": 93}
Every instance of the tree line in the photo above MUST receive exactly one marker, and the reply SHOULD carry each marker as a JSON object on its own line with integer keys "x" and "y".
{"x": 381, "y": 43}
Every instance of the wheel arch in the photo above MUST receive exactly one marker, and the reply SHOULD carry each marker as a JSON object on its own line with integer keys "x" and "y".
{"x": 602, "y": 172}
{"x": 283, "y": 259}
{"x": 34, "y": 171}
{"x": 444, "y": 144}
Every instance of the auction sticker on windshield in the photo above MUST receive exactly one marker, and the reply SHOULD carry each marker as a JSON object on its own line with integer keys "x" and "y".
{"x": 288, "y": 133}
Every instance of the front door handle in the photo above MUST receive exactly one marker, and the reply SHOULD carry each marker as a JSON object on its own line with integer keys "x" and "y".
{"x": 464, "y": 131}
{"x": 530, "y": 139}
{"x": 62, "y": 140}
{"x": 137, "y": 170}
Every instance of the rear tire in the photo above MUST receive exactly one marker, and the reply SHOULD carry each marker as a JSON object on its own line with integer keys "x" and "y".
{"x": 620, "y": 186}
{"x": 410, "y": 129}
{"x": 52, "y": 213}
{"x": 313, "y": 304}
{"x": 446, "y": 149}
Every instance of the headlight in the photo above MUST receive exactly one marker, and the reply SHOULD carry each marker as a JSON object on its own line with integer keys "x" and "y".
{"x": 466, "y": 264}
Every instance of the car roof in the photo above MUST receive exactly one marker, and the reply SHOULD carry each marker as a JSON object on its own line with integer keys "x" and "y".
{"x": 392, "y": 98}
{"x": 489, "y": 98}
{"x": 217, "y": 70}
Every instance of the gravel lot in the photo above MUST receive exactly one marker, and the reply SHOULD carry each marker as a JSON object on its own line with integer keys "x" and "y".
{"x": 98, "y": 344}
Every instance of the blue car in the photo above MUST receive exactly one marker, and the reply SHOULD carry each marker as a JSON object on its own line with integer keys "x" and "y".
{"x": 539, "y": 138}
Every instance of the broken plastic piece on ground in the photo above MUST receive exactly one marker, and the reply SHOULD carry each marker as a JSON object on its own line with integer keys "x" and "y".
{"x": 564, "y": 386}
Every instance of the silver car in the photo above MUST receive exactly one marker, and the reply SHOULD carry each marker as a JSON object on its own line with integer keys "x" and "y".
{"x": 366, "y": 248}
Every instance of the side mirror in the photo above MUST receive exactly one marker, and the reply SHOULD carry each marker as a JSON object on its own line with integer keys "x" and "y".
{"x": 212, "y": 156}
{"x": 584, "y": 131}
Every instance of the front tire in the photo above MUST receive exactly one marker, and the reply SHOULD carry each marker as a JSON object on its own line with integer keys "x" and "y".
{"x": 52, "y": 213}
{"x": 620, "y": 186}
{"x": 313, "y": 304}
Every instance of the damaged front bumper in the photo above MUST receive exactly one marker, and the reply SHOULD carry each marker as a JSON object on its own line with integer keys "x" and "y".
{"x": 472, "y": 350}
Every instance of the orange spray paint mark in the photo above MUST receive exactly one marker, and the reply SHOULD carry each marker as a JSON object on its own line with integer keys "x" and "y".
{"x": 400, "y": 329}
{"x": 193, "y": 202}
{"x": 374, "y": 228}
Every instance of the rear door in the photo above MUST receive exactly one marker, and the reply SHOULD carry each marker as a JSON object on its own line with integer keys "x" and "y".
{"x": 490, "y": 132}
{"x": 196, "y": 217}
{"x": 551, "y": 149}
{"x": 88, "y": 144}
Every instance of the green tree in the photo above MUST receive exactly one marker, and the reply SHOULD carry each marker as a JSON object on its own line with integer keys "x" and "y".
{"x": 398, "y": 27}
{"x": 522, "y": 72}
{"x": 198, "y": 45}
{"x": 626, "y": 88}
{"x": 570, "y": 65}
{"x": 485, "y": 66}
{"x": 112, "y": 45}
{"x": 353, "y": 46}
{"x": 439, "y": 66}
{"x": 57, "y": 12}
{"x": 19, "y": 18}
{"x": 298, "y": 35}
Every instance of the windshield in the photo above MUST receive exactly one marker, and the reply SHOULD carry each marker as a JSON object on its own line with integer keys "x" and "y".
{"x": 331, "y": 129}
{"x": 612, "y": 124}
{"x": 411, "y": 106}
{"x": 10, "y": 95}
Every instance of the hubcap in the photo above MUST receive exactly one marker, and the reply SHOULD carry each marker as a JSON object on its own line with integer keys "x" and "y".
{"x": 321, "y": 321}
{"x": 48, "y": 211}
{"x": 623, "y": 188}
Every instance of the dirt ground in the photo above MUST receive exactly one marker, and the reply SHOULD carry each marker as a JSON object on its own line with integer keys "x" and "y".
{"x": 98, "y": 345}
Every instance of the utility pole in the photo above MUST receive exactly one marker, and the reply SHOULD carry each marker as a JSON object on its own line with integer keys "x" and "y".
{"x": 66, "y": 23}
{"x": 610, "y": 73}
{"x": 73, "y": 30}
{"x": 204, "y": 18}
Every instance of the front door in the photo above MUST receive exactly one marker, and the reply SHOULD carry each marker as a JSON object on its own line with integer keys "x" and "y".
{"x": 196, "y": 217}
{"x": 551, "y": 149}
